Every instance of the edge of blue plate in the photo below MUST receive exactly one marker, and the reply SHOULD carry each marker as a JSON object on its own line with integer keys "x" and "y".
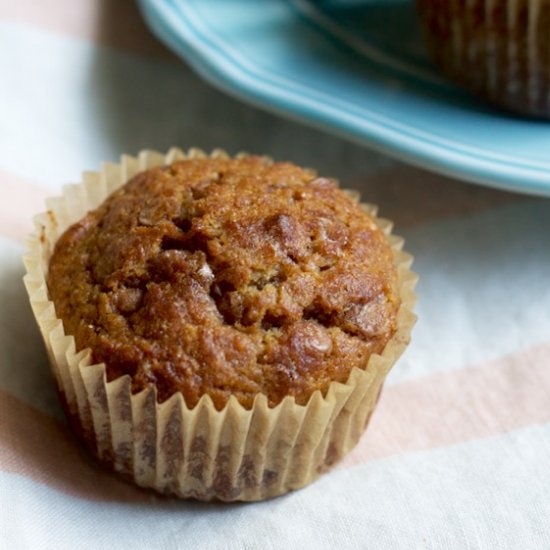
{"x": 215, "y": 67}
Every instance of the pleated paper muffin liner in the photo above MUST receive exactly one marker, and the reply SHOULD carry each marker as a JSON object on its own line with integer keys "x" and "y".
{"x": 229, "y": 454}
{"x": 498, "y": 48}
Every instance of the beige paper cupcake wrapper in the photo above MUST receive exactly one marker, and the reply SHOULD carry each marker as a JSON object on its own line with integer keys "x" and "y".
{"x": 499, "y": 48}
{"x": 232, "y": 454}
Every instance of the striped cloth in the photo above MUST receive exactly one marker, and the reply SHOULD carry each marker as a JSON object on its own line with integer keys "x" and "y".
{"x": 458, "y": 452}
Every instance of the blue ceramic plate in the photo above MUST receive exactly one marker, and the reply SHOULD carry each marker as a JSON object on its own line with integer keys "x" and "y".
{"x": 356, "y": 68}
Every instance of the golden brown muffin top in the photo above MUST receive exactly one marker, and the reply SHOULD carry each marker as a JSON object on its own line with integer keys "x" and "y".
{"x": 227, "y": 277}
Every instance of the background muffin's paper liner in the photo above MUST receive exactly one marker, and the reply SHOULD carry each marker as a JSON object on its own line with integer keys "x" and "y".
{"x": 232, "y": 454}
{"x": 498, "y": 48}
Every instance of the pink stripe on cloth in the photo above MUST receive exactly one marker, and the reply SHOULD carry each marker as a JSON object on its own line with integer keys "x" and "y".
{"x": 116, "y": 23}
{"x": 456, "y": 406}
{"x": 436, "y": 411}
{"x": 21, "y": 200}
{"x": 36, "y": 446}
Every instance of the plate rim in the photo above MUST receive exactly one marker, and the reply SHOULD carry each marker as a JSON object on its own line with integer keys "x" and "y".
{"x": 223, "y": 72}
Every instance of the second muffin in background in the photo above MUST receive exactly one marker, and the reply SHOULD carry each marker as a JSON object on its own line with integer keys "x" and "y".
{"x": 497, "y": 48}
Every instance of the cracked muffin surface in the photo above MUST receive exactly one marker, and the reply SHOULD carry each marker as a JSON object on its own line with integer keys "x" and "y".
{"x": 227, "y": 277}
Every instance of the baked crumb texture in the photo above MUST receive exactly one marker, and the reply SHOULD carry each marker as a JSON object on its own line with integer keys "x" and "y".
{"x": 227, "y": 277}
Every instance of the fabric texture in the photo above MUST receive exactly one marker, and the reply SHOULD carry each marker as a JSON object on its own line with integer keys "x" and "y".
{"x": 457, "y": 454}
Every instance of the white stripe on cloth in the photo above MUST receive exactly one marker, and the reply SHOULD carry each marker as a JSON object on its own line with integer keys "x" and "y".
{"x": 491, "y": 493}
{"x": 71, "y": 105}
{"x": 483, "y": 289}
{"x": 483, "y": 293}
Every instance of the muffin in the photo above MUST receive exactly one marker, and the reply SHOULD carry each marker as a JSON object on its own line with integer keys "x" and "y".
{"x": 496, "y": 48}
{"x": 219, "y": 327}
